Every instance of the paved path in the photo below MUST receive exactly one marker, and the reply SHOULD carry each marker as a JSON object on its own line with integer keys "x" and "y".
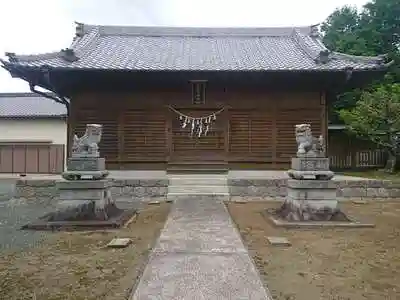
{"x": 200, "y": 255}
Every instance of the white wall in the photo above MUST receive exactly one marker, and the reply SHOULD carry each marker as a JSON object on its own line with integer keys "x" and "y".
{"x": 53, "y": 130}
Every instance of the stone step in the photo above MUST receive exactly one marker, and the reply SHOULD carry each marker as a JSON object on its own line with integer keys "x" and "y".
{"x": 198, "y": 189}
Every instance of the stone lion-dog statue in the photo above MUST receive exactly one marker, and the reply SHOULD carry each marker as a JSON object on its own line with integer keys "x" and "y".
{"x": 86, "y": 145}
{"x": 307, "y": 145}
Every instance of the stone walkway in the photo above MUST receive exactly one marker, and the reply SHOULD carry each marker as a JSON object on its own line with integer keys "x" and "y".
{"x": 200, "y": 255}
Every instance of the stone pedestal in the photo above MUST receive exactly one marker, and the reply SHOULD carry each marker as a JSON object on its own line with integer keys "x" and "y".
{"x": 311, "y": 200}
{"x": 84, "y": 200}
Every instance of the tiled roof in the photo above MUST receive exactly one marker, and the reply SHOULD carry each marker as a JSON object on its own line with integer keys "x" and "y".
{"x": 24, "y": 105}
{"x": 197, "y": 49}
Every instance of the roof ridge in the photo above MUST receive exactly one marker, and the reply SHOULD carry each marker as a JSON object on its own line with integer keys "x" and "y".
{"x": 84, "y": 39}
{"x": 298, "y": 38}
{"x": 127, "y": 30}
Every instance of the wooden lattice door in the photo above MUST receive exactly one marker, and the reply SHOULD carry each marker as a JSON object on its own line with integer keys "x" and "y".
{"x": 187, "y": 147}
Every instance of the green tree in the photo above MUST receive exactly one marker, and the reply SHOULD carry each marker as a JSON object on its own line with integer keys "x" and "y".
{"x": 376, "y": 117}
{"x": 373, "y": 31}
{"x": 341, "y": 32}
{"x": 372, "y": 113}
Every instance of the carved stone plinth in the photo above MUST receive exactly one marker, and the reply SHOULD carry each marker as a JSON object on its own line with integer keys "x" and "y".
{"x": 310, "y": 168}
{"x": 310, "y": 163}
{"x": 86, "y": 164}
{"x": 85, "y": 168}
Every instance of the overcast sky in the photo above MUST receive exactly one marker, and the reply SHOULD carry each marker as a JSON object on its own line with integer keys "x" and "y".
{"x": 35, "y": 26}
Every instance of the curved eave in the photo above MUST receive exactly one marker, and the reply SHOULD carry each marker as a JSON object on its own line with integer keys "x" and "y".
{"x": 33, "y": 57}
{"x": 12, "y": 67}
{"x": 378, "y": 60}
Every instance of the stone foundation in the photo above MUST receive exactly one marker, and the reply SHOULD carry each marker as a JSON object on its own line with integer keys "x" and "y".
{"x": 137, "y": 190}
{"x": 276, "y": 189}
{"x": 240, "y": 189}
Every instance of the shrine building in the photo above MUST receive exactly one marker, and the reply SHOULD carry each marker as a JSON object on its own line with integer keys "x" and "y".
{"x": 175, "y": 98}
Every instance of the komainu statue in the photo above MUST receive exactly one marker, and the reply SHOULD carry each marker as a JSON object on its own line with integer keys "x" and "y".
{"x": 86, "y": 145}
{"x": 307, "y": 145}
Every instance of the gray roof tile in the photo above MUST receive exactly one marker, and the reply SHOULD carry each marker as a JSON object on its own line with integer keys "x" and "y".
{"x": 15, "y": 105}
{"x": 198, "y": 49}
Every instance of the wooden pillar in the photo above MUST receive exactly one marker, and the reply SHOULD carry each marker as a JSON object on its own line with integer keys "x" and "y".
{"x": 71, "y": 124}
{"x": 324, "y": 118}
{"x": 168, "y": 134}
{"x": 275, "y": 111}
{"x": 121, "y": 134}
{"x": 226, "y": 133}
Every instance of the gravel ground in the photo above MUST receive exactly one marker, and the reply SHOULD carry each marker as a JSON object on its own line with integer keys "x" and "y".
{"x": 16, "y": 212}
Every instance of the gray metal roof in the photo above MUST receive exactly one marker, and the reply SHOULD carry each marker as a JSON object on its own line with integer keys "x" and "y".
{"x": 26, "y": 105}
{"x": 198, "y": 49}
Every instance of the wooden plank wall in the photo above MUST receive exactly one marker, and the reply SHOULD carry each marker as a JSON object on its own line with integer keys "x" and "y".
{"x": 258, "y": 125}
{"x": 31, "y": 158}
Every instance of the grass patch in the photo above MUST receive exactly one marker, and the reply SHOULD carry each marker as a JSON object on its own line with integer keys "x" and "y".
{"x": 78, "y": 266}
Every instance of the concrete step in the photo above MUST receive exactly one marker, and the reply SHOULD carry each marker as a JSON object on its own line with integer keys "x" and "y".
{"x": 197, "y": 170}
{"x": 197, "y": 167}
{"x": 212, "y": 197}
{"x": 198, "y": 189}
{"x": 198, "y": 181}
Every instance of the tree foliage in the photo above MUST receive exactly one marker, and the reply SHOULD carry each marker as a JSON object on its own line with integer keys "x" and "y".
{"x": 372, "y": 31}
{"x": 372, "y": 113}
{"x": 376, "y": 116}
{"x": 342, "y": 32}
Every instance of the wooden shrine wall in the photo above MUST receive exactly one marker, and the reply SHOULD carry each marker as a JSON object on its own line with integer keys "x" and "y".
{"x": 257, "y": 126}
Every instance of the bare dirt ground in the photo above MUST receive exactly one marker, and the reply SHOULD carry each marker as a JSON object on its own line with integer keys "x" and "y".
{"x": 356, "y": 264}
{"x": 77, "y": 266}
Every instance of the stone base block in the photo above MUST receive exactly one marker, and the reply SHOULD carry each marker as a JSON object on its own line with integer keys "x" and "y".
{"x": 351, "y": 223}
{"x": 86, "y": 164}
{"x": 312, "y": 195}
{"x": 117, "y": 220}
{"x": 83, "y": 184}
{"x": 78, "y": 175}
{"x": 310, "y": 200}
{"x": 86, "y": 199}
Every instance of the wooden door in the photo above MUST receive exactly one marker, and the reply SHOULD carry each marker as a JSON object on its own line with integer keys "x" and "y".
{"x": 187, "y": 147}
